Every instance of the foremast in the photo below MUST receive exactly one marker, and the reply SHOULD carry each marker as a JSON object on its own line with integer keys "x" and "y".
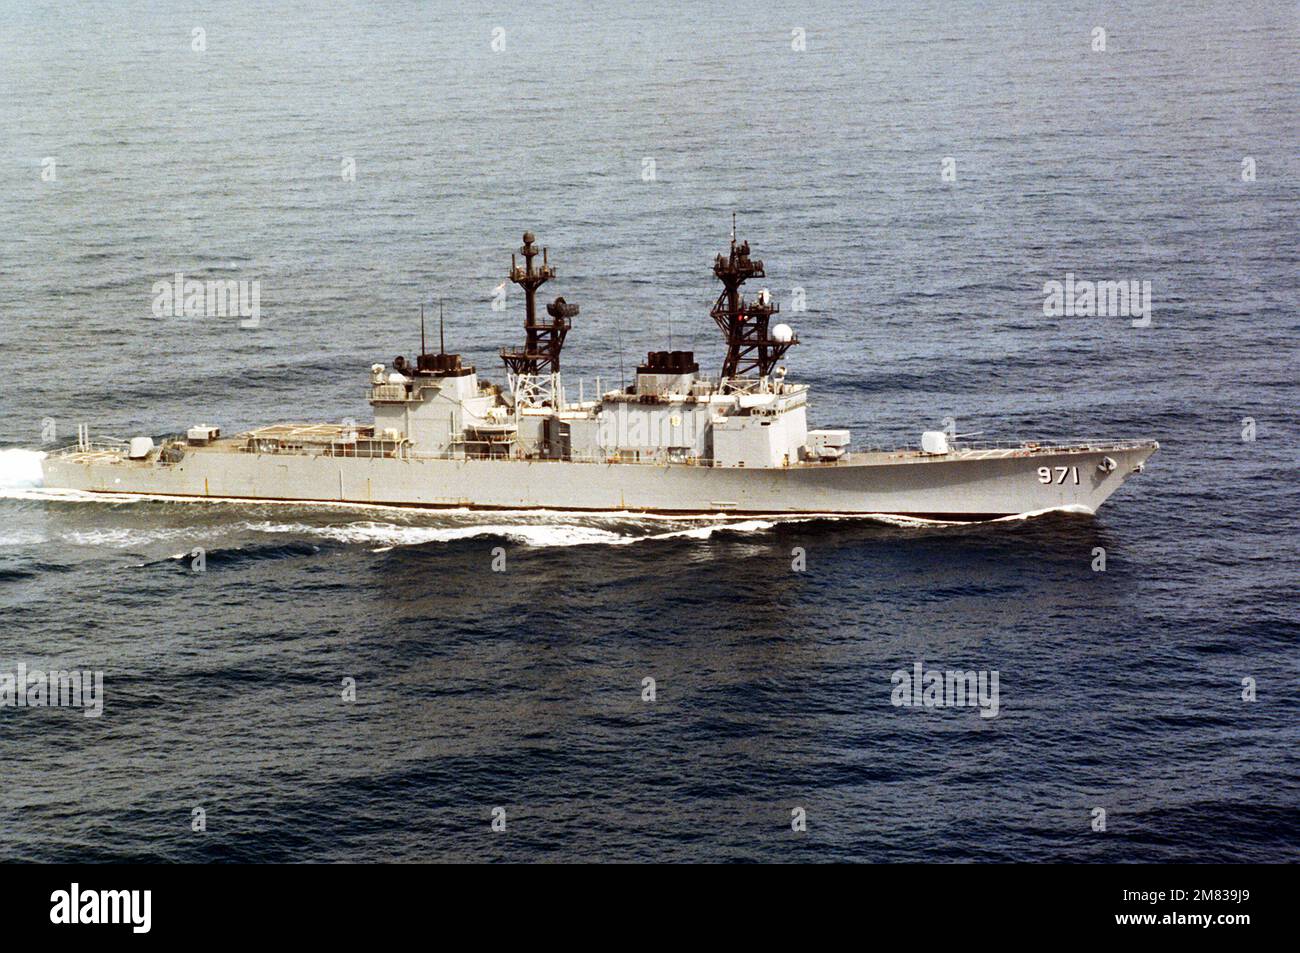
{"x": 534, "y": 369}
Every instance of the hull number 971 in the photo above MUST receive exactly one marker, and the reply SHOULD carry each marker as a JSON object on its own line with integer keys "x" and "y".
{"x": 1058, "y": 475}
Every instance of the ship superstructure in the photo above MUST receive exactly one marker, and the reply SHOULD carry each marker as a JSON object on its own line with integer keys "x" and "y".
{"x": 749, "y": 417}
{"x": 674, "y": 441}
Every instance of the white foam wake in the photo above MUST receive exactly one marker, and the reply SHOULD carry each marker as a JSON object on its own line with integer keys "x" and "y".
{"x": 20, "y": 538}
{"x": 388, "y": 535}
{"x": 21, "y": 469}
{"x": 1076, "y": 508}
{"x": 124, "y": 538}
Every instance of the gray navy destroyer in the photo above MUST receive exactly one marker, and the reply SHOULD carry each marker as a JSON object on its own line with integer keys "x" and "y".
{"x": 675, "y": 441}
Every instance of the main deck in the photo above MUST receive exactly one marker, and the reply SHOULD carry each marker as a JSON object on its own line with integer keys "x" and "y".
{"x": 349, "y": 441}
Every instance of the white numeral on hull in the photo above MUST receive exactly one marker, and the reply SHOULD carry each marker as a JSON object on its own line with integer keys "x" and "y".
{"x": 1046, "y": 474}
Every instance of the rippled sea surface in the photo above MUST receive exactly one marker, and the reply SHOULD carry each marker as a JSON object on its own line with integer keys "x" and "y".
{"x": 129, "y": 155}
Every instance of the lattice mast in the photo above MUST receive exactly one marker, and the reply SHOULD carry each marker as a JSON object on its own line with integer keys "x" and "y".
{"x": 543, "y": 340}
{"x": 744, "y": 324}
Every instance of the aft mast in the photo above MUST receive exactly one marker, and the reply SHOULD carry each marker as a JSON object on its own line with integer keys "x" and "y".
{"x": 744, "y": 324}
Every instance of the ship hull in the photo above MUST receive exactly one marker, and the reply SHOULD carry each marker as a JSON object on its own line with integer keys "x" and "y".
{"x": 963, "y": 485}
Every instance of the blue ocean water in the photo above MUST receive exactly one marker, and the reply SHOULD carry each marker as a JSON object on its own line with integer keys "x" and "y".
{"x": 130, "y": 155}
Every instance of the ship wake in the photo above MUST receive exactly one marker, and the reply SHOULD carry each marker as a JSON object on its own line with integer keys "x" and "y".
{"x": 620, "y": 531}
{"x": 20, "y": 471}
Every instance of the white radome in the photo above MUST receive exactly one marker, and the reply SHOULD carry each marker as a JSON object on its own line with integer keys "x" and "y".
{"x": 783, "y": 334}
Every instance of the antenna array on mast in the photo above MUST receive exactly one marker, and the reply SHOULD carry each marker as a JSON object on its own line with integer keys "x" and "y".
{"x": 543, "y": 340}
{"x": 743, "y": 323}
